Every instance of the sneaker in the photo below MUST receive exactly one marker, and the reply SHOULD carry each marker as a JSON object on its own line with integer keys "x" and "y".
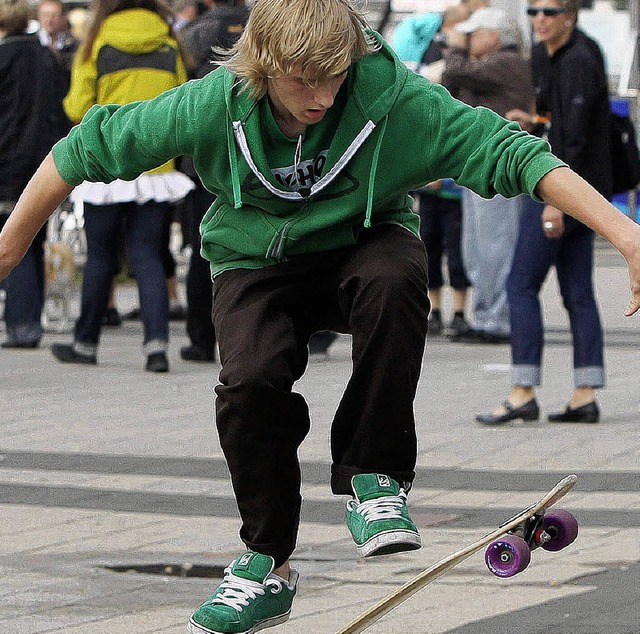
{"x": 378, "y": 517}
{"x": 157, "y": 362}
{"x": 66, "y": 354}
{"x": 457, "y": 327}
{"x": 250, "y": 598}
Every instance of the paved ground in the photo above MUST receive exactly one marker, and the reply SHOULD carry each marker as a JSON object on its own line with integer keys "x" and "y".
{"x": 116, "y": 510}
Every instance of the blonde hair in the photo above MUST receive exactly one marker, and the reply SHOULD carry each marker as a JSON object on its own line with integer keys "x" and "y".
{"x": 320, "y": 37}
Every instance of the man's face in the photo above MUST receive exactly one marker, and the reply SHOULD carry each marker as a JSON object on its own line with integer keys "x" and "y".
{"x": 50, "y": 17}
{"x": 550, "y": 29}
{"x": 298, "y": 104}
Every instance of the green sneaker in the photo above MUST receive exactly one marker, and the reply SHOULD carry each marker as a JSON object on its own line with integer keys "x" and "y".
{"x": 378, "y": 518}
{"x": 249, "y": 599}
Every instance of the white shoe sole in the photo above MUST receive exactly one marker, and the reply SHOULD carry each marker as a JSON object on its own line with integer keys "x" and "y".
{"x": 194, "y": 628}
{"x": 390, "y": 542}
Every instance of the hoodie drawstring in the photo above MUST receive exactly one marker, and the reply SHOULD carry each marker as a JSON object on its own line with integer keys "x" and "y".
{"x": 372, "y": 173}
{"x": 233, "y": 165}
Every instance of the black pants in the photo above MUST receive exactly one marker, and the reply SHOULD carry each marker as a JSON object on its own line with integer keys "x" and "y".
{"x": 377, "y": 291}
{"x": 199, "y": 324}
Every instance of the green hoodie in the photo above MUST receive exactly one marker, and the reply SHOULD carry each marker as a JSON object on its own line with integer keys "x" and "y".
{"x": 389, "y": 132}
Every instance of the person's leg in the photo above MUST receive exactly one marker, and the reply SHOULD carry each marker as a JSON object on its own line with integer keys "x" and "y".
{"x": 431, "y": 233}
{"x": 262, "y": 338}
{"x": 452, "y": 232}
{"x": 384, "y": 304}
{"x": 496, "y": 230}
{"x": 24, "y": 301}
{"x": 574, "y": 267}
{"x": 199, "y": 286}
{"x": 145, "y": 243}
{"x": 534, "y": 255}
{"x": 101, "y": 224}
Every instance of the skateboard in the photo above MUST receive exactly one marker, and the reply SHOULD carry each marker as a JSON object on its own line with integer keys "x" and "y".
{"x": 508, "y": 550}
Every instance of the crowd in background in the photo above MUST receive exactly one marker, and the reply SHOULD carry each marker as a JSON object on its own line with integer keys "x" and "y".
{"x": 110, "y": 53}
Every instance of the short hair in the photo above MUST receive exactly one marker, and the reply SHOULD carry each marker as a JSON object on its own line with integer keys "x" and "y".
{"x": 322, "y": 37}
{"x": 570, "y": 6}
{"x": 14, "y": 16}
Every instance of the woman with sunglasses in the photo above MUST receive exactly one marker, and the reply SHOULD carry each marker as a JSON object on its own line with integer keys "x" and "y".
{"x": 572, "y": 112}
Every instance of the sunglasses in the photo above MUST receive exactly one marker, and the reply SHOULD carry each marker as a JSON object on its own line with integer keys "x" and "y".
{"x": 548, "y": 13}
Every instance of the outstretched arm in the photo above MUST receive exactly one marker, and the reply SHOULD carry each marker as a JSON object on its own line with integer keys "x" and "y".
{"x": 45, "y": 191}
{"x": 565, "y": 190}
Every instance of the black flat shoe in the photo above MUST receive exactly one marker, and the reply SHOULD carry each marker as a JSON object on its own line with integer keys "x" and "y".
{"x": 66, "y": 354}
{"x": 528, "y": 411}
{"x": 20, "y": 344}
{"x": 589, "y": 413}
{"x": 157, "y": 362}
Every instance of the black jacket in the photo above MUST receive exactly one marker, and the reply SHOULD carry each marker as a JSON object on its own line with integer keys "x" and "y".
{"x": 32, "y": 86}
{"x": 218, "y": 27}
{"x": 571, "y": 88}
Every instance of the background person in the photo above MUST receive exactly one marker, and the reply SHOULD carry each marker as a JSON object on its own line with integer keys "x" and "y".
{"x": 572, "y": 97}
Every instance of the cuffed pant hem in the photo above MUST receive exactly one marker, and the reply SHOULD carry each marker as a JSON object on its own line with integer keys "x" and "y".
{"x": 526, "y": 375}
{"x": 154, "y": 346}
{"x": 86, "y": 349}
{"x": 592, "y": 376}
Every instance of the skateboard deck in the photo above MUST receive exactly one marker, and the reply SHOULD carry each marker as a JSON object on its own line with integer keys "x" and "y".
{"x": 509, "y": 550}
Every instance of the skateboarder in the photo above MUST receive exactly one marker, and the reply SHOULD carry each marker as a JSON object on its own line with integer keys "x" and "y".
{"x": 310, "y": 137}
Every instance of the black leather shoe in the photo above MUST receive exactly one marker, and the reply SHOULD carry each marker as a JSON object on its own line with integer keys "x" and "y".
{"x": 20, "y": 344}
{"x": 157, "y": 362}
{"x": 589, "y": 413}
{"x": 197, "y": 353}
{"x": 481, "y": 337}
{"x": 66, "y": 354}
{"x": 528, "y": 411}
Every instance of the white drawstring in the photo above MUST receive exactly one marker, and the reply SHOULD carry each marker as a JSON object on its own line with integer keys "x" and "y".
{"x": 237, "y": 592}
{"x": 385, "y": 508}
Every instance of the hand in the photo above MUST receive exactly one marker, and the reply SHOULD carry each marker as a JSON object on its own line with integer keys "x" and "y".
{"x": 552, "y": 222}
{"x": 633, "y": 261}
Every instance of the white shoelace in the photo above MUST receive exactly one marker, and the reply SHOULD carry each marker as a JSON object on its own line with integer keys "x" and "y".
{"x": 385, "y": 508}
{"x": 237, "y": 592}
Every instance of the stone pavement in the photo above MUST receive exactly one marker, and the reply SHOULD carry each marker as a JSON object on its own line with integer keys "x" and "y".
{"x": 116, "y": 512}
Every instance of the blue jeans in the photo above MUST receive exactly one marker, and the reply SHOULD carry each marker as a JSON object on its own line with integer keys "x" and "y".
{"x": 572, "y": 255}
{"x": 24, "y": 288}
{"x": 144, "y": 233}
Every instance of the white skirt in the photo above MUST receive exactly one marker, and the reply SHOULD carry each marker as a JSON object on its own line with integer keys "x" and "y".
{"x": 164, "y": 187}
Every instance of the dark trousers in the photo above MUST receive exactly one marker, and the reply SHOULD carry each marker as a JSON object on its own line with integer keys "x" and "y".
{"x": 144, "y": 227}
{"x": 572, "y": 256}
{"x": 441, "y": 230}
{"x": 377, "y": 291}
{"x": 25, "y": 288}
{"x": 199, "y": 286}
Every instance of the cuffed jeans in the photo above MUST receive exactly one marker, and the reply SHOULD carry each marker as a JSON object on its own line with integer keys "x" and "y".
{"x": 572, "y": 255}
{"x": 377, "y": 291}
{"x": 144, "y": 233}
{"x": 24, "y": 288}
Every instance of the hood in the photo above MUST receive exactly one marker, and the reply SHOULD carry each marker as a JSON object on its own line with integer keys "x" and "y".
{"x": 135, "y": 31}
{"x": 364, "y": 115}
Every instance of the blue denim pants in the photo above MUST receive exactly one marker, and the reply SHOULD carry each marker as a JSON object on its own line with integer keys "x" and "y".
{"x": 572, "y": 256}
{"x": 144, "y": 230}
{"x": 24, "y": 288}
